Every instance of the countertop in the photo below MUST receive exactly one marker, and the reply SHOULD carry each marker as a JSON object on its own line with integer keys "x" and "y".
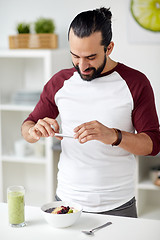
{"x": 123, "y": 228}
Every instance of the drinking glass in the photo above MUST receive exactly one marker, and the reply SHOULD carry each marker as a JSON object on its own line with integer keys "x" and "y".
{"x": 16, "y": 205}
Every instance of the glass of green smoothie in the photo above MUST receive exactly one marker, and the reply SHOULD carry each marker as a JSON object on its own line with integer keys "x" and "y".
{"x": 15, "y": 197}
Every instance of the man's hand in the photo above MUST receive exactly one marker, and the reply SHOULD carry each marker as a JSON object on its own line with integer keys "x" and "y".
{"x": 138, "y": 144}
{"x": 32, "y": 132}
{"x": 94, "y": 130}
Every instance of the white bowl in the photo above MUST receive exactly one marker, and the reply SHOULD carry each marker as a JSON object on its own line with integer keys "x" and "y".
{"x": 61, "y": 220}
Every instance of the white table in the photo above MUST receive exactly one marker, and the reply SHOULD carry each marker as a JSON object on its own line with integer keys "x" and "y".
{"x": 37, "y": 229}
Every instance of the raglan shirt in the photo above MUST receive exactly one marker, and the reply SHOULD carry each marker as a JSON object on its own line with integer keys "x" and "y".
{"x": 98, "y": 176}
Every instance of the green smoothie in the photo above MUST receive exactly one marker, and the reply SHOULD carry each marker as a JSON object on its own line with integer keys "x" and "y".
{"x": 16, "y": 207}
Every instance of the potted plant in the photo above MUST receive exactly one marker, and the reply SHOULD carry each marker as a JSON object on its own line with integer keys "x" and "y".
{"x": 44, "y": 25}
{"x": 44, "y": 29}
{"x": 23, "y": 28}
{"x": 43, "y": 37}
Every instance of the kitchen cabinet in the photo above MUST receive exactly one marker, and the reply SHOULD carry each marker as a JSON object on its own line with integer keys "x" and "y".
{"x": 23, "y": 74}
{"x": 148, "y": 194}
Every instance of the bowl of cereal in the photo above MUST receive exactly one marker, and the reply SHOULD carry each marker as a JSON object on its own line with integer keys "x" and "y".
{"x": 61, "y": 214}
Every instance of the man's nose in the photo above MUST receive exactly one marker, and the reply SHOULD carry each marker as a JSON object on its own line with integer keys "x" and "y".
{"x": 83, "y": 64}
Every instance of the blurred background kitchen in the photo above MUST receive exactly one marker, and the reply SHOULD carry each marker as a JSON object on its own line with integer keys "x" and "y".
{"x": 23, "y": 72}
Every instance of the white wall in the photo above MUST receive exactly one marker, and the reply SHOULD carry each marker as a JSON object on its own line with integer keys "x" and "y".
{"x": 144, "y": 57}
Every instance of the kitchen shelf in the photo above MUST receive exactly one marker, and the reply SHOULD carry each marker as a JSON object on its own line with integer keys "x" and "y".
{"x": 147, "y": 184}
{"x": 30, "y": 159}
{"x": 23, "y": 73}
{"x": 15, "y": 107}
{"x": 147, "y": 193}
{"x": 151, "y": 212}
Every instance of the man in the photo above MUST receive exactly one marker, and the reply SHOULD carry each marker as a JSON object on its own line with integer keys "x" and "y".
{"x": 110, "y": 110}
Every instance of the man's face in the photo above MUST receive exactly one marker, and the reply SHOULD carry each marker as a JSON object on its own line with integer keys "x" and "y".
{"x": 88, "y": 55}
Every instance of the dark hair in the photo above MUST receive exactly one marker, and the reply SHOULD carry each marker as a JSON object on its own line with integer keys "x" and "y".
{"x": 98, "y": 20}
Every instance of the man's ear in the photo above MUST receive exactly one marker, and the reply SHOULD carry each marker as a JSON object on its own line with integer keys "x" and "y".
{"x": 109, "y": 48}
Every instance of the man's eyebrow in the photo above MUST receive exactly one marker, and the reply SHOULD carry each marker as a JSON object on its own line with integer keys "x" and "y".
{"x": 92, "y": 55}
{"x": 74, "y": 54}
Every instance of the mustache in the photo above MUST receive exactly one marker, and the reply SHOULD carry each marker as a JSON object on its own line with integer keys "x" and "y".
{"x": 87, "y": 69}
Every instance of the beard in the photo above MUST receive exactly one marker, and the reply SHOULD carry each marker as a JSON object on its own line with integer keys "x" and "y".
{"x": 96, "y": 72}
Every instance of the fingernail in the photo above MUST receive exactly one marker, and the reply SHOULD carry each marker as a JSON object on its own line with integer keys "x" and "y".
{"x": 83, "y": 140}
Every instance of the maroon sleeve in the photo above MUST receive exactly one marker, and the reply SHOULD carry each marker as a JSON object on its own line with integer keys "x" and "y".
{"x": 46, "y": 107}
{"x": 144, "y": 115}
